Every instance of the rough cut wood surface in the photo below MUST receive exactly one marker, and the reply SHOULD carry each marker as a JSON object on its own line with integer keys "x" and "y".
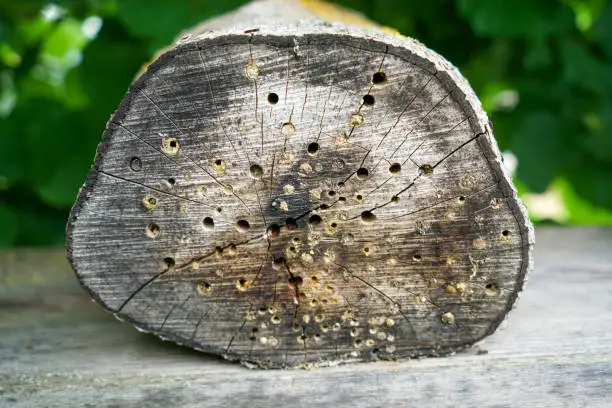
{"x": 294, "y": 193}
{"x": 58, "y": 349}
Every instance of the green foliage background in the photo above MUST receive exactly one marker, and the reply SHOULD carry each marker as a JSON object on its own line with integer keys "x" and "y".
{"x": 543, "y": 69}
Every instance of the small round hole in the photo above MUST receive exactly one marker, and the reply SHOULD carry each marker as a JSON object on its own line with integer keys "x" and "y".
{"x": 256, "y": 171}
{"x": 171, "y": 181}
{"x": 426, "y": 169}
{"x": 315, "y": 220}
{"x": 395, "y": 168}
{"x": 136, "y": 164}
{"x": 342, "y": 199}
{"x": 368, "y": 217}
{"x": 272, "y": 98}
{"x": 362, "y": 173}
{"x": 462, "y": 199}
{"x": 173, "y": 143}
{"x": 209, "y": 223}
{"x": 358, "y": 197}
{"x": 368, "y": 100}
{"x": 492, "y": 289}
{"x": 395, "y": 199}
{"x": 169, "y": 261}
{"x": 273, "y": 230}
{"x": 331, "y": 193}
{"x": 417, "y": 258}
{"x": 313, "y": 148}
{"x": 153, "y": 231}
{"x": 379, "y": 78}
{"x": 324, "y": 207}
{"x": 242, "y": 226}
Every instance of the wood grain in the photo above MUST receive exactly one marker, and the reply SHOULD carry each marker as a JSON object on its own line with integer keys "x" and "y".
{"x": 59, "y": 349}
{"x": 301, "y": 194}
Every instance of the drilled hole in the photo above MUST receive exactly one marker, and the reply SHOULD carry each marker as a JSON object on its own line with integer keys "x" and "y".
{"x": 462, "y": 199}
{"x": 171, "y": 181}
{"x": 169, "y": 262}
{"x": 313, "y": 148}
{"x": 331, "y": 193}
{"x": 153, "y": 231}
{"x": 506, "y": 233}
{"x": 342, "y": 199}
{"x": 379, "y": 78}
{"x": 395, "y": 199}
{"x": 395, "y": 168}
{"x": 272, "y": 98}
{"x": 417, "y": 258}
{"x": 256, "y": 171}
{"x": 362, "y": 173}
{"x": 136, "y": 164}
{"x": 209, "y": 223}
{"x": 242, "y": 226}
{"x": 368, "y": 100}
{"x": 492, "y": 289}
{"x": 324, "y": 207}
{"x": 426, "y": 169}
{"x": 315, "y": 220}
{"x": 273, "y": 230}
{"x": 368, "y": 217}
{"x": 359, "y": 197}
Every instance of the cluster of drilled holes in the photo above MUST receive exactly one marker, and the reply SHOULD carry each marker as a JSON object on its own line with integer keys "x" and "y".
{"x": 256, "y": 171}
{"x": 368, "y": 100}
{"x": 362, "y": 173}
{"x": 313, "y": 148}
{"x": 153, "y": 231}
{"x": 379, "y": 78}
{"x": 242, "y": 226}
{"x": 209, "y": 223}
{"x": 426, "y": 169}
{"x": 395, "y": 168}
{"x": 368, "y": 217}
{"x": 135, "y": 164}
{"x": 272, "y": 98}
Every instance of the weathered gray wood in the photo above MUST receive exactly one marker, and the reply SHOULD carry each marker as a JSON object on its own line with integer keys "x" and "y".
{"x": 292, "y": 192}
{"x": 58, "y": 349}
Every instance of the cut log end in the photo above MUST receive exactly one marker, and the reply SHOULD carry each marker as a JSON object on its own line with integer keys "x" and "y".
{"x": 302, "y": 200}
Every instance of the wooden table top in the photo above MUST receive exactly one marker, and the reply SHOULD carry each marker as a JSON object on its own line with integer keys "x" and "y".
{"x": 59, "y": 349}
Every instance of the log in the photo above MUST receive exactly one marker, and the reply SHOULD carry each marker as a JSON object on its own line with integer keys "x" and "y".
{"x": 291, "y": 186}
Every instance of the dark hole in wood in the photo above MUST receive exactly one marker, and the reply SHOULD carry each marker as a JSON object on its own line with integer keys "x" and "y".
{"x": 395, "y": 168}
{"x": 313, "y": 148}
{"x": 218, "y": 162}
{"x": 272, "y": 98}
{"x": 462, "y": 199}
{"x": 172, "y": 143}
{"x": 152, "y": 200}
{"x": 417, "y": 257}
{"x": 331, "y": 193}
{"x": 279, "y": 262}
{"x": 169, "y": 261}
{"x": 209, "y": 223}
{"x": 368, "y": 216}
{"x": 295, "y": 280}
{"x": 341, "y": 184}
{"x": 315, "y": 220}
{"x": 256, "y": 171}
{"x": 136, "y": 164}
{"x": 362, "y": 173}
{"x": 358, "y": 197}
{"x": 324, "y": 207}
{"x": 368, "y": 100}
{"x": 426, "y": 169}
{"x": 342, "y": 199}
{"x": 395, "y": 199}
{"x": 379, "y": 78}
{"x": 506, "y": 233}
{"x": 171, "y": 181}
{"x": 273, "y": 230}
{"x": 243, "y": 225}
{"x": 333, "y": 225}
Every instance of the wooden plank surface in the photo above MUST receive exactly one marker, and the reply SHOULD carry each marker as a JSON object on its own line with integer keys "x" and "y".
{"x": 58, "y": 349}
